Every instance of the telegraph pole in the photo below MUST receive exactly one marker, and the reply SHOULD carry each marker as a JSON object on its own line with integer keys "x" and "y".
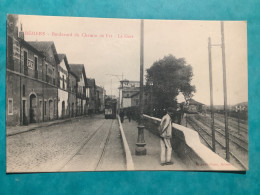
{"x": 140, "y": 145}
{"x": 225, "y": 89}
{"x": 211, "y": 97}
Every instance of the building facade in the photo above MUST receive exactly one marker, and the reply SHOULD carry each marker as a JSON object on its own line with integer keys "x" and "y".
{"x": 91, "y": 95}
{"x": 81, "y": 99}
{"x": 41, "y": 85}
{"x": 130, "y": 93}
{"x": 31, "y": 91}
{"x": 100, "y": 99}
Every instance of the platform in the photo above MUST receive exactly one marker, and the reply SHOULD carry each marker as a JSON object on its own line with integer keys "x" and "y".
{"x": 151, "y": 161}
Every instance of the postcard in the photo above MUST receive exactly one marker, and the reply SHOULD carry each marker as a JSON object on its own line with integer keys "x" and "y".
{"x": 100, "y": 94}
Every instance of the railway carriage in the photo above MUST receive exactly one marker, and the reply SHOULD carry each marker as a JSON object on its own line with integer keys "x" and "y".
{"x": 110, "y": 108}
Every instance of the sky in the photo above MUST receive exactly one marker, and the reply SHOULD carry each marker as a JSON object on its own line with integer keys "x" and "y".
{"x": 110, "y": 49}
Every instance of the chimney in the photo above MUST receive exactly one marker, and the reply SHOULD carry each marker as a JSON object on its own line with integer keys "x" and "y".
{"x": 15, "y": 32}
{"x": 21, "y": 33}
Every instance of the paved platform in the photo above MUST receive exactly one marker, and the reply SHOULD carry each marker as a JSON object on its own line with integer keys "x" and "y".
{"x": 151, "y": 161}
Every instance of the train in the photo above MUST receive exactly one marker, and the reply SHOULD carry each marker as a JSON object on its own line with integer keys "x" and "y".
{"x": 110, "y": 108}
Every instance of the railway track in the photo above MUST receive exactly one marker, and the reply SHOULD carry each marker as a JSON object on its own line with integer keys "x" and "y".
{"x": 207, "y": 122}
{"x": 233, "y": 123}
{"x": 220, "y": 148}
{"x": 104, "y": 148}
{"x": 85, "y": 143}
{"x": 232, "y": 137}
{"x": 234, "y": 119}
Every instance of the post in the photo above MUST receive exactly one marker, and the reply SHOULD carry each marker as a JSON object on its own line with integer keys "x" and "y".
{"x": 225, "y": 89}
{"x": 118, "y": 109}
{"x": 211, "y": 97}
{"x": 140, "y": 145}
{"x": 238, "y": 119}
{"x": 111, "y": 87}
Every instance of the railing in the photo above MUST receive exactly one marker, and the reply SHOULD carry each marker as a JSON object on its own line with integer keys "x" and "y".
{"x": 186, "y": 143}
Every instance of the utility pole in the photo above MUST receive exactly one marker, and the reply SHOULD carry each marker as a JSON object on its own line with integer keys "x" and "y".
{"x": 225, "y": 89}
{"x": 140, "y": 145}
{"x": 238, "y": 119}
{"x": 211, "y": 97}
{"x": 111, "y": 87}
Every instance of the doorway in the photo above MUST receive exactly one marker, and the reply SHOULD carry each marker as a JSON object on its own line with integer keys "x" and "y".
{"x": 32, "y": 109}
{"x": 63, "y": 109}
{"x": 51, "y": 109}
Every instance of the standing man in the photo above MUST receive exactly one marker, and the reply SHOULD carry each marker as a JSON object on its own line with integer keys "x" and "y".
{"x": 165, "y": 130}
{"x": 122, "y": 115}
{"x": 129, "y": 114}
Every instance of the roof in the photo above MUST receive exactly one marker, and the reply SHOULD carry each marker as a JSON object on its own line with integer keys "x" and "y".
{"x": 22, "y": 41}
{"x": 91, "y": 82}
{"x": 62, "y": 56}
{"x": 194, "y": 102}
{"x": 44, "y": 46}
{"x": 77, "y": 69}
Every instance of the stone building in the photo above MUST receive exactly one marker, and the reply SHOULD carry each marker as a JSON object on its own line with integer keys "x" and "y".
{"x": 72, "y": 88}
{"x": 91, "y": 95}
{"x": 100, "y": 99}
{"x": 41, "y": 85}
{"x": 63, "y": 81}
{"x": 31, "y": 91}
{"x": 81, "y": 99}
{"x": 130, "y": 93}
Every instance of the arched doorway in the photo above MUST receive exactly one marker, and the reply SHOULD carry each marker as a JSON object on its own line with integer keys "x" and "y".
{"x": 32, "y": 108}
{"x": 51, "y": 109}
{"x": 63, "y": 109}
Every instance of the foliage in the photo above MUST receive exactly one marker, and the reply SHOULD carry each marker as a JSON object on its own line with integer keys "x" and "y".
{"x": 166, "y": 78}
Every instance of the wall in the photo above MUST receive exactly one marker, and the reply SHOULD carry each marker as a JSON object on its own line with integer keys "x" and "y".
{"x": 62, "y": 97}
{"x": 186, "y": 143}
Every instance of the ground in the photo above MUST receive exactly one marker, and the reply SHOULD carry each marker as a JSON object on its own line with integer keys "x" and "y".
{"x": 85, "y": 144}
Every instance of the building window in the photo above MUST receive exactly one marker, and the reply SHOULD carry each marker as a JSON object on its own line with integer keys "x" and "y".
{"x": 36, "y": 66}
{"x": 40, "y": 106}
{"x": 36, "y": 63}
{"x": 10, "y": 106}
{"x": 23, "y": 90}
{"x": 63, "y": 83}
{"x": 45, "y": 106}
{"x": 25, "y": 60}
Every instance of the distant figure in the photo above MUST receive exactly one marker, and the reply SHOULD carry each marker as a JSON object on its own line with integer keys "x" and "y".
{"x": 129, "y": 114}
{"x": 179, "y": 114}
{"x": 122, "y": 115}
{"x": 165, "y": 130}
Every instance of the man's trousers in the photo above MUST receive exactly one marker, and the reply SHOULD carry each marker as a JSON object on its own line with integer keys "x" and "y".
{"x": 166, "y": 150}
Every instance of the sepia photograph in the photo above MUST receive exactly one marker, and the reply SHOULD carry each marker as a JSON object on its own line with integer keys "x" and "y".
{"x": 109, "y": 94}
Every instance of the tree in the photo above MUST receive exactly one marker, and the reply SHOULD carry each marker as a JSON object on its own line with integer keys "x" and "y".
{"x": 167, "y": 78}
